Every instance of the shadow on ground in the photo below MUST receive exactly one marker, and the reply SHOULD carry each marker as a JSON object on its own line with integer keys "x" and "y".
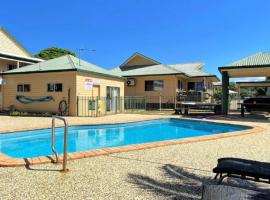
{"x": 30, "y": 167}
{"x": 181, "y": 184}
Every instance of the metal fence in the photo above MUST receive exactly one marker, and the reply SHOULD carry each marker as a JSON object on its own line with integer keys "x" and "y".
{"x": 99, "y": 106}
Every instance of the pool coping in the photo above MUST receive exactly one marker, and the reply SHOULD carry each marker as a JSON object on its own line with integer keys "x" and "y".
{"x": 7, "y": 161}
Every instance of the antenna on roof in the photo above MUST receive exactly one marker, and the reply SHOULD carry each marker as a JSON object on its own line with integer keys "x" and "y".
{"x": 83, "y": 49}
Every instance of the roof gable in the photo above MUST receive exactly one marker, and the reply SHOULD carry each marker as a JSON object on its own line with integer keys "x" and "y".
{"x": 138, "y": 59}
{"x": 10, "y": 45}
{"x": 261, "y": 58}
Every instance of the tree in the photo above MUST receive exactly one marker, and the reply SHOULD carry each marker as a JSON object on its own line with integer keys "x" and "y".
{"x": 53, "y": 52}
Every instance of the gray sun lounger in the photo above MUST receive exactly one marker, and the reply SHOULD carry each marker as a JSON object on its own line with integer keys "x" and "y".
{"x": 244, "y": 169}
{"x": 224, "y": 192}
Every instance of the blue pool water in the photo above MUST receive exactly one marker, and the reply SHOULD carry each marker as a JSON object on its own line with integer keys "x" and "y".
{"x": 28, "y": 144}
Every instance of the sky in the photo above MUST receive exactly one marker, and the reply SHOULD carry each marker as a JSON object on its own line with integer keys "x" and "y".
{"x": 216, "y": 32}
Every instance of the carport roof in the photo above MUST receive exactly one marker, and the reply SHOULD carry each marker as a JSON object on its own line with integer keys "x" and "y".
{"x": 257, "y": 65}
{"x": 258, "y": 59}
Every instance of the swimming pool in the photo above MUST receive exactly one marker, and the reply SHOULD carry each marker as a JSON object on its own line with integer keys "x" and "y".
{"x": 35, "y": 143}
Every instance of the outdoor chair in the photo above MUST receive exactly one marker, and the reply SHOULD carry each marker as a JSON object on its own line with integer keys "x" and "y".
{"x": 241, "y": 168}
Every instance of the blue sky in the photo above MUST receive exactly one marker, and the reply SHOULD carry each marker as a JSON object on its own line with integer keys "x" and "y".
{"x": 216, "y": 32}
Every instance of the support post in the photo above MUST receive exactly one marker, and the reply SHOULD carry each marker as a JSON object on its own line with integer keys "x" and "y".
{"x": 225, "y": 92}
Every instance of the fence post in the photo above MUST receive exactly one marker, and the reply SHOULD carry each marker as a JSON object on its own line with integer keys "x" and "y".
{"x": 159, "y": 102}
{"x": 145, "y": 104}
{"x": 77, "y": 106}
{"x": 174, "y": 102}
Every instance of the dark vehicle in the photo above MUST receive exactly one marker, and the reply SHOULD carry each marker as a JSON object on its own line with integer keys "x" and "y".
{"x": 257, "y": 104}
{"x": 261, "y": 104}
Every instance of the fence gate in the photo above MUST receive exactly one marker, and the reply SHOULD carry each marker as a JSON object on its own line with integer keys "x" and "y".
{"x": 88, "y": 106}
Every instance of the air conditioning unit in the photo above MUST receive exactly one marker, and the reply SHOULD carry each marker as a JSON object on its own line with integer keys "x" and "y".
{"x": 2, "y": 81}
{"x": 130, "y": 82}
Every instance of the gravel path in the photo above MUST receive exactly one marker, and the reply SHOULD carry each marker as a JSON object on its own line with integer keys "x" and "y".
{"x": 171, "y": 172}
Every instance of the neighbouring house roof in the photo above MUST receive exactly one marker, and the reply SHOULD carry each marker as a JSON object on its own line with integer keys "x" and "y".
{"x": 188, "y": 69}
{"x": 144, "y": 60}
{"x": 141, "y": 68}
{"x": 63, "y": 63}
{"x": 258, "y": 59}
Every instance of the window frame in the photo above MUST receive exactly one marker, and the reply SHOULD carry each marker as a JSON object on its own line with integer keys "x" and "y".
{"x": 11, "y": 67}
{"x": 148, "y": 88}
{"x": 153, "y": 87}
{"x": 23, "y": 87}
{"x": 52, "y": 87}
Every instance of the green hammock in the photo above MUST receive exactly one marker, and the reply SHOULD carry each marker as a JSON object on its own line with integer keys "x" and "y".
{"x": 27, "y": 100}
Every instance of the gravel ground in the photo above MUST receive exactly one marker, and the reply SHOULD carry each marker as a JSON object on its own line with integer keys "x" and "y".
{"x": 171, "y": 172}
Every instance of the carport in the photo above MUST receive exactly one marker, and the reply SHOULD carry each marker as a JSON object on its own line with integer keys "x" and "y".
{"x": 257, "y": 65}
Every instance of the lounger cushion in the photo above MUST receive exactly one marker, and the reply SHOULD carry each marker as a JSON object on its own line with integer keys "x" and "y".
{"x": 243, "y": 167}
{"x": 222, "y": 192}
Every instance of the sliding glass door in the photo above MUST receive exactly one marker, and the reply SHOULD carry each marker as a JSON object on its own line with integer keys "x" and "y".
{"x": 113, "y": 99}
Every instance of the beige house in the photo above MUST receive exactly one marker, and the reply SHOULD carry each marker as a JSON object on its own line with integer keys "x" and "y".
{"x": 148, "y": 77}
{"x": 12, "y": 54}
{"x": 65, "y": 84}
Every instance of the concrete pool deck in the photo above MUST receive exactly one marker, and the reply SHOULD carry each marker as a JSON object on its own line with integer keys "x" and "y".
{"x": 168, "y": 172}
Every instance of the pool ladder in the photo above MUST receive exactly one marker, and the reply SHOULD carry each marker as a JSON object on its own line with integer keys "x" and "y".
{"x": 54, "y": 117}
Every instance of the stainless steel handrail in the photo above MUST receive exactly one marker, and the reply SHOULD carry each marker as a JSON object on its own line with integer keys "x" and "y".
{"x": 64, "y": 169}
{"x": 52, "y": 142}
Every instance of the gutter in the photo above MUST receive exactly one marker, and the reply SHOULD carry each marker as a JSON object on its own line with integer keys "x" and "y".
{"x": 66, "y": 70}
{"x": 224, "y": 68}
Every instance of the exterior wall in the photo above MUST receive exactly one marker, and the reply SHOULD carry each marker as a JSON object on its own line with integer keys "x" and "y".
{"x": 170, "y": 84}
{"x": 103, "y": 83}
{"x": 75, "y": 81}
{"x": 99, "y": 91}
{"x": 39, "y": 83}
{"x": 8, "y": 45}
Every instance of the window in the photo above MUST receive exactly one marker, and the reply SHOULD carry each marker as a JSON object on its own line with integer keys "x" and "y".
{"x": 149, "y": 85}
{"x": 55, "y": 87}
{"x": 199, "y": 86}
{"x": 19, "y": 88}
{"x": 58, "y": 87}
{"x": 191, "y": 86}
{"x": 23, "y": 88}
{"x": 50, "y": 87}
{"x": 26, "y": 88}
{"x": 156, "y": 85}
{"x": 180, "y": 84}
{"x": 196, "y": 86}
{"x": 11, "y": 67}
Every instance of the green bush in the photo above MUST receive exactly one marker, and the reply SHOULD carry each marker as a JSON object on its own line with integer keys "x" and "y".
{"x": 30, "y": 114}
